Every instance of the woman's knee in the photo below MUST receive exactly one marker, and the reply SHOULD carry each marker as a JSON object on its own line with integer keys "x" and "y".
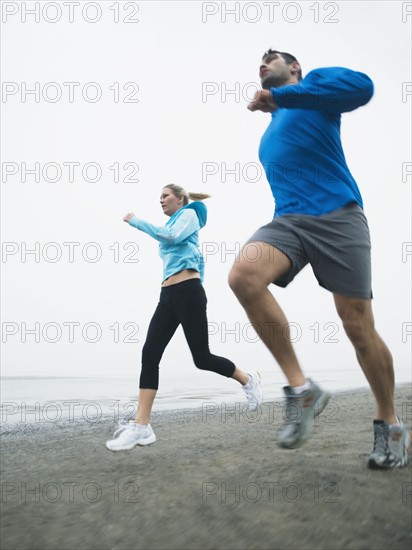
{"x": 149, "y": 355}
{"x": 201, "y": 364}
{"x": 215, "y": 363}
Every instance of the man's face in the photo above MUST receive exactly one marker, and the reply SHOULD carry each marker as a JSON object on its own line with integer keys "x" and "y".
{"x": 274, "y": 71}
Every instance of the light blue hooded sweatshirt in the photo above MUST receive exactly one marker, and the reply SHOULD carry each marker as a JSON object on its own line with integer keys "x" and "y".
{"x": 178, "y": 239}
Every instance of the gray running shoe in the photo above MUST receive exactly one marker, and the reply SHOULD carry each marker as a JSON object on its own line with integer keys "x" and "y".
{"x": 299, "y": 414}
{"x": 391, "y": 446}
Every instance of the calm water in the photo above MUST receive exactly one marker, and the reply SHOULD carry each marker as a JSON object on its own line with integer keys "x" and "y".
{"x": 50, "y": 399}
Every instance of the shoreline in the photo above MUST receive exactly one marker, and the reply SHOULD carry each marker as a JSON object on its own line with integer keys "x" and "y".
{"x": 208, "y": 408}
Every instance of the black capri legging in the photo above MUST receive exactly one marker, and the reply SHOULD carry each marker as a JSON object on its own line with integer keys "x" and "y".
{"x": 181, "y": 304}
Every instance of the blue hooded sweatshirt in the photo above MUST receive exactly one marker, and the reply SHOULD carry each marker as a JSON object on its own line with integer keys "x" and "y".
{"x": 178, "y": 239}
{"x": 301, "y": 150}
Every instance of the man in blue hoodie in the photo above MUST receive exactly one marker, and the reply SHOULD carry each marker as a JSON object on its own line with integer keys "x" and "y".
{"x": 318, "y": 220}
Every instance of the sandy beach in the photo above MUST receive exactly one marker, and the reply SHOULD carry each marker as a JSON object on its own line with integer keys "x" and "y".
{"x": 214, "y": 479}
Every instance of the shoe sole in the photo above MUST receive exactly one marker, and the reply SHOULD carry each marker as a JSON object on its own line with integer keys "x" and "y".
{"x": 144, "y": 442}
{"x": 320, "y": 404}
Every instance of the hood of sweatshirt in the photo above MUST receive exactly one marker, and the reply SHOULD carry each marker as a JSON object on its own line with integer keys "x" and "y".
{"x": 200, "y": 210}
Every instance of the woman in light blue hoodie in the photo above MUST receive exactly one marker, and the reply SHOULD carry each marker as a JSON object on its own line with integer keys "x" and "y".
{"x": 182, "y": 302}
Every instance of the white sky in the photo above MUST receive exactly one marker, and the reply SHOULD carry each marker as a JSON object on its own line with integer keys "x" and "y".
{"x": 170, "y": 54}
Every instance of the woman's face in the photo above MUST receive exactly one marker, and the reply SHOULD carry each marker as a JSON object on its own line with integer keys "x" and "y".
{"x": 169, "y": 202}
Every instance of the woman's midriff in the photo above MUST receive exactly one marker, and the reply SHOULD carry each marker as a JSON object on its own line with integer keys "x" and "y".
{"x": 184, "y": 275}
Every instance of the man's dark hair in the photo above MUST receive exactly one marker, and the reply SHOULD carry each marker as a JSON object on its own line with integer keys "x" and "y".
{"x": 288, "y": 57}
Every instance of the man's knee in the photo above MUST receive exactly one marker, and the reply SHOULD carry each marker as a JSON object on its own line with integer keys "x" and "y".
{"x": 355, "y": 329}
{"x": 243, "y": 281}
{"x": 258, "y": 265}
{"x": 357, "y": 320}
{"x": 236, "y": 278}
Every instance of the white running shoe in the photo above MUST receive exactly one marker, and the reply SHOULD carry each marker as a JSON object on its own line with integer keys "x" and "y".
{"x": 253, "y": 390}
{"x": 130, "y": 435}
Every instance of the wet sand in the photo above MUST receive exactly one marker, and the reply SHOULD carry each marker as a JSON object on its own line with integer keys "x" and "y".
{"x": 214, "y": 479}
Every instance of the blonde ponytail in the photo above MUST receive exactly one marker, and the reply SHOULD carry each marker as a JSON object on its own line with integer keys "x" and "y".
{"x": 198, "y": 196}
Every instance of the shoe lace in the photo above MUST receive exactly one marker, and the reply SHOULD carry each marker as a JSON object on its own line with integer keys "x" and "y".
{"x": 292, "y": 413}
{"x": 122, "y": 426}
{"x": 249, "y": 392}
{"x": 381, "y": 441}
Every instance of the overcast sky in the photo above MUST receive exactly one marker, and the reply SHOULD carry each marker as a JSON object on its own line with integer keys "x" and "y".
{"x": 104, "y": 103}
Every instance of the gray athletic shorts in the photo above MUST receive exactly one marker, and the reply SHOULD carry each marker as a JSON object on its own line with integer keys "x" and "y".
{"x": 336, "y": 245}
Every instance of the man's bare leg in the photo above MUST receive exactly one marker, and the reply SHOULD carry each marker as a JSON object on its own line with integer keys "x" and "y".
{"x": 373, "y": 355}
{"x": 249, "y": 281}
